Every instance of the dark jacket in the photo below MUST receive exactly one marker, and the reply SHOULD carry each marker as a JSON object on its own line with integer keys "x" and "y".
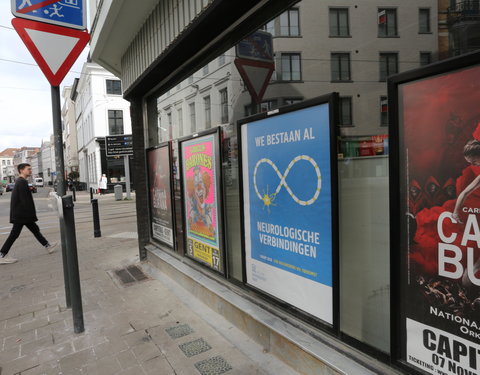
{"x": 22, "y": 207}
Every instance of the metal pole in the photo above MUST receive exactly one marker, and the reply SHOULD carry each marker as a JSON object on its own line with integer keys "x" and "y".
{"x": 127, "y": 175}
{"x": 74, "y": 194}
{"x": 72, "y": 262}
{"x": 96, "y": 219}
{"x": 91, "y": 194}
{"x": 60, "y": 167}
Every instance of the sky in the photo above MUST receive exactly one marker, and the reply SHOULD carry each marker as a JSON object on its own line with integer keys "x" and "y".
{"x": 25, "y": 98}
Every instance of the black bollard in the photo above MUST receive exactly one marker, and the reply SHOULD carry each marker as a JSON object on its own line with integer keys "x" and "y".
{"x": 96, "y": 219}
{"x": 74, "y": 194}
{"x": 91, "y": 193}
{"x": 72, "y": 264}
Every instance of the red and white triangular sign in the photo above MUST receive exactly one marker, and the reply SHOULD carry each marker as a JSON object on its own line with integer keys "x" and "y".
{"x": 256, "y": 75}
{"x": 54, "y": 48}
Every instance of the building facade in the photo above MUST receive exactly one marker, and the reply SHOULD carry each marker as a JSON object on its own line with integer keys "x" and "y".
{"x": 47, "y": 163}
{"x": 177, "y": 65}
{"x": 70, "y": 150}
{"x": 7, "y": 169}
{"x": 100, "y": 111}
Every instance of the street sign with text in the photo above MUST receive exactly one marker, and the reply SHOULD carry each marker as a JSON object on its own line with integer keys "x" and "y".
{"x": 66, "y": 13}
{"x": 119, "y": 145}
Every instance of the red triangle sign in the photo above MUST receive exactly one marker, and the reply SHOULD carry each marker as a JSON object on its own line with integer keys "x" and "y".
{"x": 54, "y": 48}
{"x": 256, "y": 75}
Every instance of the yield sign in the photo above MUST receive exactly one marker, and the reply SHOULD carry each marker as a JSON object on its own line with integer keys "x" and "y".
{"x": 54, "y": 48}
{"x": 256, "y": 75}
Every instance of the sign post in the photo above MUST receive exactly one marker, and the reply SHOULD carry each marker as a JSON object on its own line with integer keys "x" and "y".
{"x": 121, "y": 145}
{"x": 55, "y": 43}
{"x": 255, "y": 64}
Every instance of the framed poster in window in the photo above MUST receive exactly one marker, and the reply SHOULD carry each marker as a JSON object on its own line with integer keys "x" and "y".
{"x": 289, "y": 206}
{"x": 435, "y": 212}
{"x": 159, "y": 167}
{"x": 203, "y": 199}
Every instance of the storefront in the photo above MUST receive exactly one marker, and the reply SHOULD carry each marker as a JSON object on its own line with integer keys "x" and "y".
{"x": 291, "y": 208}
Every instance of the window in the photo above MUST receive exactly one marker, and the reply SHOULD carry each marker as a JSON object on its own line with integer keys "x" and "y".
{"x": 169, "y": 122}
{"x": 289, "y": 23}
{"x": 221, "y": 60}
{"x": 3, "y": 162}
{"x": 383, "y": 111}
{"x": 345, "y": 111}
{"x": 208, "y": 112}
{"x": 290, "y": 67}
{"x": 180, "y": 122}
{"x": 425, "y": 58}
{"x": 387, "y": 22}
{"x": 424, "y": 21}
{"x": 388, "y": 65}
{"x": 265, "y": 106}
{"x": 270, "y": 27}
{"x": 114, "y": 87}
{"x": 340, "y": 64}
{"x": 190, "y": 79}
{"x": 205, "y": 70}
{"x": 115, "y": 122}
{"x": 224, "y": 105}
{"x": 291, "y": 101}
{"x": 191, "y": 108}
{"x": 339, "y": 25}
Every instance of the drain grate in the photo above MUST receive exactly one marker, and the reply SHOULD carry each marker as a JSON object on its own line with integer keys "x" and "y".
{"x": 213, "y": 366}
{"x": 179, "y": 331}
{"x": 130, "y": 275}
{"x": 195, "y": 347}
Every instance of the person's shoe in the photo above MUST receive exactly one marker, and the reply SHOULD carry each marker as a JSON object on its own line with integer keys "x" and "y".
{"x": 51, "y": 247}
{"x": 7, "y": 260}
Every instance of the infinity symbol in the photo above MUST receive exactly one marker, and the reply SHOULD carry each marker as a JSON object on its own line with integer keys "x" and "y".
{"x": 268, "y": 199}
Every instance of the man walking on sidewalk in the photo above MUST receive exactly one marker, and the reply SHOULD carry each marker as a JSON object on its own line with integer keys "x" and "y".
{"x": 22, "y": 213}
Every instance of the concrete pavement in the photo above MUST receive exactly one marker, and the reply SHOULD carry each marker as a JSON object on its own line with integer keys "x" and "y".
{"x": 136, "y": 322}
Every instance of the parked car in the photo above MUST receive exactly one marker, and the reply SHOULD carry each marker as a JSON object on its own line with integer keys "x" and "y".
{"x": 10, "y": 187}
{"x": 33, "y": 188}
{"x": 38, "y": 181}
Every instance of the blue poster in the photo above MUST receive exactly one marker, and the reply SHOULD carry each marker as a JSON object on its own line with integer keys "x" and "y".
{"x": 288, "y": 206}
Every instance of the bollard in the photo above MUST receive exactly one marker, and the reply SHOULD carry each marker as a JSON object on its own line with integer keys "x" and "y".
{"x": 96, "y": 219}
{"x": 91, "y": 193}
{"x": 72, "y": 264}
{"x": 74, "y": 194}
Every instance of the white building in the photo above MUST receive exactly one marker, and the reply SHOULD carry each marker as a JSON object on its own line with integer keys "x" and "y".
{"x": 100, "y": 110}
{"x": 69, "y": 131}
{"x": 48, "y": 161}
{"x": 7, "y": 170}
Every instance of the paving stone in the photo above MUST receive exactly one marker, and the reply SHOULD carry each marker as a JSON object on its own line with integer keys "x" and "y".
{"x": 158, "y": 365}
{"x": 103, "y": 366}
{"x": 77, "y": 360}
{"x": 109, "y": 347}
{"x": 127, "y": 359}
{"x": 145, "y": 351}
{"x": 34, "y": 346}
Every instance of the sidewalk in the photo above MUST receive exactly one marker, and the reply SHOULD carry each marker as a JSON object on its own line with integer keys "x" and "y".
{"x": 144, "y": 326}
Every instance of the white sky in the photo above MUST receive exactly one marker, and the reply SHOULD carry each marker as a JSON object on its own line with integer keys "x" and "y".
{"x": 25, "y": 101}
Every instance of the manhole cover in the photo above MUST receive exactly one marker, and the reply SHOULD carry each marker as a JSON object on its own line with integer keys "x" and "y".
{"x": 179, "y": 331}
{"x": 130, "y": 275}
{"x": 195, "y": 347}
{"x": 213, "y": 366}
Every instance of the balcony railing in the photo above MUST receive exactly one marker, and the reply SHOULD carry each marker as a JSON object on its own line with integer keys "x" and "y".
{"x": 468, "y": 10}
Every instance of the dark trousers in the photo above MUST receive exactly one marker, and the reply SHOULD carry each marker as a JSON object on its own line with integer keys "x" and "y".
{"x": 16, "y": 230}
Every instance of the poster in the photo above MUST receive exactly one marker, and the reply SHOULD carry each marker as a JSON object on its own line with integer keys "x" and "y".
{"x": 288, "y": 208}
{"x": 202, "y": 201}
{"x": 160, "y": 194}
{"x": 439, "y": 122}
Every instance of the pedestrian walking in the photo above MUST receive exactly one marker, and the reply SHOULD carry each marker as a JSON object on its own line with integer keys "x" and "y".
{"x": 23, "y": 213}
{"x": 102, "y": 184}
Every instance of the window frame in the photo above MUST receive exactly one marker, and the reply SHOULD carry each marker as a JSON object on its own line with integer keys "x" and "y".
{"x": 207, "y": 111}
{"x": 281, "y": 70}
{"x": 338, "y": 10}
{"x": 224, "y": 115}
{"x": 339, "y": 62}
{"x": 289, "y": 27}
{"x": 429, "y": 21}
{"x": 112, "y": 81}
{"x": 387, "y": 35}
{"x": 115, "y": 118}
{"x": 341, "y": 122}
{"x": 388, "y": 73}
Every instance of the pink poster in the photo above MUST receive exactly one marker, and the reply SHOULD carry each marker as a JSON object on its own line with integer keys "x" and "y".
{"x": 201, "y": 200}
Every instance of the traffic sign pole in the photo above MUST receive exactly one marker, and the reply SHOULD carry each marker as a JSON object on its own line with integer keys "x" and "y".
{"x": 126, "y": 160}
